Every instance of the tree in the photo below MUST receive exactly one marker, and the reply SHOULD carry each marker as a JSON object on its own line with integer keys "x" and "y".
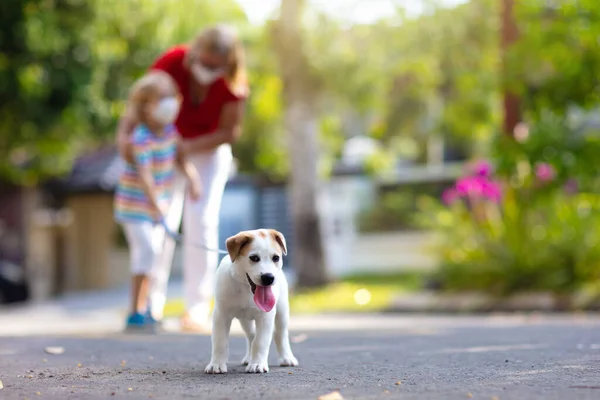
{"x": 510, "y": 35}
{"x": 408, "y": 79}
{"x": 444, "y": 74}
{"x": 261, "y": 150}
{"x": 45, "y": 67}
{"x": 554, "y": 65}
{"x": 300, "y": 94}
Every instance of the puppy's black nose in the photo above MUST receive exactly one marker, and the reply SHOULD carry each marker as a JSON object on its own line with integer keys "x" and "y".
{"x": 267, "y": 279}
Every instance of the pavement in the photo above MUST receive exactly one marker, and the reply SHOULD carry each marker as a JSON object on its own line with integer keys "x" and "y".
{"x": 367, "y": 356}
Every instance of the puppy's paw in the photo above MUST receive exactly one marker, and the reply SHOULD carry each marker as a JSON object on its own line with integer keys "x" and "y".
{"x": 216, "y": 368}
{"x": 245, "y": 360}
{"x": 288, "y": 361}
{"x": 257, "y": 368}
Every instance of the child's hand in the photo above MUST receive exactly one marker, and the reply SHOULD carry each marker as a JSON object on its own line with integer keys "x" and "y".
{"x": 159, "y": 213}
{"x": 194, "y": 189}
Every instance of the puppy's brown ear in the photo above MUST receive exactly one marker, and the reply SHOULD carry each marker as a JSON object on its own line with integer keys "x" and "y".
{"x": 236, "y": 244}
{"x": 280, "y": 239}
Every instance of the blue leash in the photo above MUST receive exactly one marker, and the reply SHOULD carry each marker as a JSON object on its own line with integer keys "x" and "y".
{"x": 179, "y": 239}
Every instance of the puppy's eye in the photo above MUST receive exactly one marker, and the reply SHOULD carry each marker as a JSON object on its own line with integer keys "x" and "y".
{"x": 275, "y": 258}
{"x": 254, "y": 258}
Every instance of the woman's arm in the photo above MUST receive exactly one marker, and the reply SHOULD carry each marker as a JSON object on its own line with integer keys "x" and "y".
{"x": 189, "y": 171}
{"x": 230, "y": 129}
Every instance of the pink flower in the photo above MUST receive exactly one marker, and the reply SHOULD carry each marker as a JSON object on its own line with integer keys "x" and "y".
{"x": 483, "y": 168}
{"x": 470, "y": 186}
{"x": 450, "y": 196}
{"x": 479, "y": 187}
{"x": 492, "y": 191}
{"x": 545, "y": 172}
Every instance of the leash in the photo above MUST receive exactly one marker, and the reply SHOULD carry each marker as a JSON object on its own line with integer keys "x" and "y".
{"x": 179, "y": 239}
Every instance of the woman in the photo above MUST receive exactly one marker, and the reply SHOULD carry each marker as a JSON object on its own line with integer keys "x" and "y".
{"x": 211, "y": 78}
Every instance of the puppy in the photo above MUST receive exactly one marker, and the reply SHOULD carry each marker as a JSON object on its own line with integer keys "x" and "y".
{"x": 251, "y": 286}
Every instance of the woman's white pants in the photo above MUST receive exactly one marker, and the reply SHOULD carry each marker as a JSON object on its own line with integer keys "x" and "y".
{"x": 200, "y": 226}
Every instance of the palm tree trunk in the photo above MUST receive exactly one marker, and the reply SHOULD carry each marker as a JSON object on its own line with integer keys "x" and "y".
{"x": 300, "y": 92}
{"x": 510, "y": 34}
{"x": 308, "y": 256}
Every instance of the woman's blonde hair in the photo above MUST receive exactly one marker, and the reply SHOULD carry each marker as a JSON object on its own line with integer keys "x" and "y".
{"x": 223, "y": 40}
{"x": 145, "y": 90}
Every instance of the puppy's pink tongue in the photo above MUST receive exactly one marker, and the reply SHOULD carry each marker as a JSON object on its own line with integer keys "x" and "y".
{"x": 263, "y": 297}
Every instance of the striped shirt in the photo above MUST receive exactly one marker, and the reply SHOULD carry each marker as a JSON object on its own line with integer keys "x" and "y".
{"x": 158, "y": 153}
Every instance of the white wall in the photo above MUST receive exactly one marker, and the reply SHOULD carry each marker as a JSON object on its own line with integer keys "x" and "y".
{"x": 349, "y": 251}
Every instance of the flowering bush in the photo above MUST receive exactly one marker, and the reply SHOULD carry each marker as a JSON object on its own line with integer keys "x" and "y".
{"x": 529, "y": 221}
{"x": 474, "y": 187}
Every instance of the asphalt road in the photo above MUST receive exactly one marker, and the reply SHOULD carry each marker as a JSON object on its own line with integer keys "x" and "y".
{"x": 430, "y": 358}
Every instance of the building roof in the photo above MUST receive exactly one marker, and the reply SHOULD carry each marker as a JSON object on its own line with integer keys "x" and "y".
{"x": 96, "y": 171}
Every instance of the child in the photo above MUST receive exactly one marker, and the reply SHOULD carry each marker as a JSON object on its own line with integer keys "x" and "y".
{"x": 145, "y": 187}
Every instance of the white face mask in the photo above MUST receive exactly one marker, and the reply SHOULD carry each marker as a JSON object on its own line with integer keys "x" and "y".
{"x": 166, "y": 111}
{"x": 204, "y": 75}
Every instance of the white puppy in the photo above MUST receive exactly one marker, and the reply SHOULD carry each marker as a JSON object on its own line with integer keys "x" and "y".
{"x": 251, "y": 286}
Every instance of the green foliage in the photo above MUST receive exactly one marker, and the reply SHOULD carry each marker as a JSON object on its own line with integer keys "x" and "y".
{"x": 262, "y": 148}
{"x": 349, "y": 62}
{"x": 410, "y": 78}
{"x": 555, "y": 63}
{"x": 552, "y": 247}
{"x": 444, "y": 71}
{"x": 572, "y": 152}
{"x": 44, "y": 67}
{"x": 542, "y": 235}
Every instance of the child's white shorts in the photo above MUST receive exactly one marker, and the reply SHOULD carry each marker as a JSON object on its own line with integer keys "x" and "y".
{"x": 145, "y": 245}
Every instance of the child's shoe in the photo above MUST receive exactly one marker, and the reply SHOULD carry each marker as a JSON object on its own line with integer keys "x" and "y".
{"x": 150, "y": 320}
{"x": 137, "y": 322}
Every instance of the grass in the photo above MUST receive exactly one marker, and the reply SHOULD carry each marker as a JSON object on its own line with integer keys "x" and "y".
{"x": 356, "y": 293}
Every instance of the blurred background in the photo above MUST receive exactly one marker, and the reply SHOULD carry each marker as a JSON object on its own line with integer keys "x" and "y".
{"x": 455, "y": 144}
